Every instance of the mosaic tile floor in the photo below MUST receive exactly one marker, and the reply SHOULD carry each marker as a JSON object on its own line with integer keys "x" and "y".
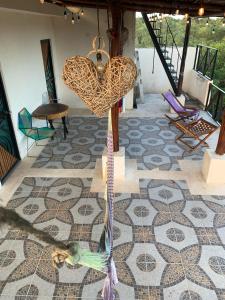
{"x": 150, "y": 141}
{"x": 168, "y": 244}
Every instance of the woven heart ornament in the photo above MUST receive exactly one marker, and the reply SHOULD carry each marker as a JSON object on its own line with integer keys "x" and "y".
{"x": 100, "y": 94}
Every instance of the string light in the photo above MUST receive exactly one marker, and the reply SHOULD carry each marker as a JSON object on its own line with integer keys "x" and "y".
{"x": 82, "y": 12}
{"x": 160, "y": 18}
{"x": 73, "y": 20}
{"x": 207, "y": 22}
{"x": 213, "y": 31}
{"x": 201, "y": 10}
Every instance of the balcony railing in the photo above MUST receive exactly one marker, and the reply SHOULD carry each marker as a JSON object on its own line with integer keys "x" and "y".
{"x": 205, "y": 60}
{"x": 215, "y": 103}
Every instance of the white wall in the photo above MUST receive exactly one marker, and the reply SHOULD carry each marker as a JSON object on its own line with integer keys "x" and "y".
{"x": 21, "y": 62}
{"x": 197, "y": 86}
{"x": 21, "y": 58}
{"x": 158, "y": 82}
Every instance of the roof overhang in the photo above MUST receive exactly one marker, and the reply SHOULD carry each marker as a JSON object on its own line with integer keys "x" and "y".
{"x": 212, "y": 8}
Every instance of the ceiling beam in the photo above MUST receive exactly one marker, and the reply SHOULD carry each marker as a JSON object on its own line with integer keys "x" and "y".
{"x": 162, "y": 6}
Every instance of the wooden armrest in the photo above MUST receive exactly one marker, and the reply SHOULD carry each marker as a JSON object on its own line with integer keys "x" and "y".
{"x": 190, "y": 107}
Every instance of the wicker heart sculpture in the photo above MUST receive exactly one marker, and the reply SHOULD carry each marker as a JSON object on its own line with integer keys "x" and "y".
{"x": 100, "y": 94}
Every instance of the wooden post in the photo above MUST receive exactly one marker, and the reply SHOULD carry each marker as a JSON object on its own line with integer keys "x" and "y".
{"x": 220, "y": 149}
{"x": 116, "y": 49}
{"x": 184, "y": 55}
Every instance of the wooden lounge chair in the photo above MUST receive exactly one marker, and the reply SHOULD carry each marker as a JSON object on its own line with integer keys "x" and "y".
{"x": 199, "y": 130}
{"x": 183, "y": 112}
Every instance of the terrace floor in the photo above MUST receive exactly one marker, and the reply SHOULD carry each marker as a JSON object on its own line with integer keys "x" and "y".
{"x": 169, "y": 228}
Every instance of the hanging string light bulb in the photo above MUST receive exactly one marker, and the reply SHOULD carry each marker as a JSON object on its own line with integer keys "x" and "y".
{"x": 160, "y": 18}
{"x": 213, "y": 30}
{"x": 201, "y": 9}
{"x": 82, "y": 12}
{"x": 73, "y": 20}
{"x": 207, "y": 22}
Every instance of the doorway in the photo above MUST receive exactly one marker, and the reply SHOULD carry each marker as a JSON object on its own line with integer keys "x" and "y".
{"x": 9, "y": 153}
{"x": 49, "y": 71}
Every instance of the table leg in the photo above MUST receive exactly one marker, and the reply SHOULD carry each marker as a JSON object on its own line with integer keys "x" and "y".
{"x": 64, "y": 127}
{"x": 51, "y": 124}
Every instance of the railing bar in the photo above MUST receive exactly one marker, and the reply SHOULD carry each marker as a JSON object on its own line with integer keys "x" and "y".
{"x": 217, "y": 105}
{"x": 218, "y": 88}
{"x": 207, "y": 101}
{"x": 214, "y": 64}
{"x": 168, "y": 27}
{"x": 196, "y": 54}
{"x": 207, "y": 47}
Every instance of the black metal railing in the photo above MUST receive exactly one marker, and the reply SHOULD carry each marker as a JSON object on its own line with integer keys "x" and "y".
{"x": 205, "y": 60}
{"x": 171, "y": 46}
{"x": 215, "y": 103}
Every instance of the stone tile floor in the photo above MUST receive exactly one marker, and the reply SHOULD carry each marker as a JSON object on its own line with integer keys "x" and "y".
{"x": 168, "y": 244}
{"x": 150, "y": 141}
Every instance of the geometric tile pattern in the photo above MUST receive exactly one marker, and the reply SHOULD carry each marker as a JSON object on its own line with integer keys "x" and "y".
{"x": 168, "y": 244}
{"x": 150, "y": 141}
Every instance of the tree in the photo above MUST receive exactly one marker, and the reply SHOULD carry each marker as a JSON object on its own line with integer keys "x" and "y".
{"x": 200, "y": 34}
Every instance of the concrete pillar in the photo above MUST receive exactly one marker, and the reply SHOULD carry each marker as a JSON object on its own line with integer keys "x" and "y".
{"x": 213, "y": 167}
{"x": 119, "y": 164}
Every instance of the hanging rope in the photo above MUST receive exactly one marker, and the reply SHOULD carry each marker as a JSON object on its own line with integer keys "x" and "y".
{"x": 111, "y": 279}
{"x": 108, "y": 21}
{"x": 99, "y": 36}
{"x": 153, "y": 62}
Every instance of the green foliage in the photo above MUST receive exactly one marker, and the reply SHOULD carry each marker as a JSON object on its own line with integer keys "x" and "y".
{"x": 200, "y": 34}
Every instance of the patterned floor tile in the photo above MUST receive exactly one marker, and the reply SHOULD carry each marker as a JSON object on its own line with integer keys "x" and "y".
{"x": 148, "y": 140}
{"x": 167, "y": 243}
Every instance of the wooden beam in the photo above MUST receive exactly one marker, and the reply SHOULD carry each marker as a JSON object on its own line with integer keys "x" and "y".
{"x": 116, "y": 49}
{"x": 162, "y": 6}
{"x": 184, "y": 55}
{"x": 220, "y": 149}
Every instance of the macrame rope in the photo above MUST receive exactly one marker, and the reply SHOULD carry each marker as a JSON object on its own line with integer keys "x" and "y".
{"x": 99, "y": 39}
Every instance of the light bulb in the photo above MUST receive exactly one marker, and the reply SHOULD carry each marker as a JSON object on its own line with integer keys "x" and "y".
{"x": 82, "y": 12}
{"x": 201, "y": 11}
{"x": 160, "y": 18}
{"x": 73, "y": 20}
{"x": 187, "y": 22}
{"x": 207, "y": 22}
{"x": 213, "y": 31}
{"x": 177, "y": 11}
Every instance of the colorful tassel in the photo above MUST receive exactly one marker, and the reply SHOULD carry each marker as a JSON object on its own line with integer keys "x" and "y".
{"x": 86, "y": 258}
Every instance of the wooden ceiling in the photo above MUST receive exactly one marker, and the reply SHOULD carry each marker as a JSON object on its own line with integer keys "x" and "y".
{"x": 212, "y": 7}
